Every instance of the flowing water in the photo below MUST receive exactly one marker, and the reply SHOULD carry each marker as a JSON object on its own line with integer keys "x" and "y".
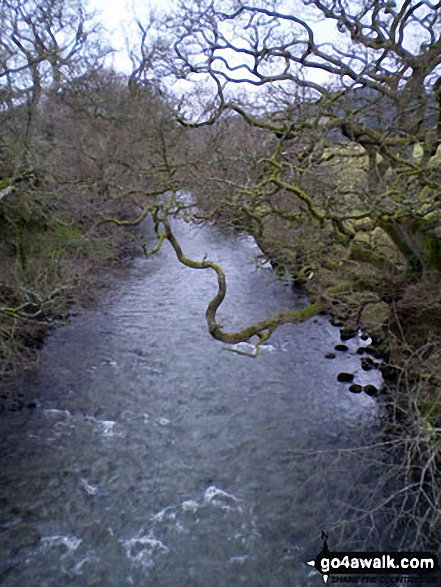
{"x": 155, "y": 457}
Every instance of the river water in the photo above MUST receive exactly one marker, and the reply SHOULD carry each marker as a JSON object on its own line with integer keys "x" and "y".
{"x": 157, "y": 458}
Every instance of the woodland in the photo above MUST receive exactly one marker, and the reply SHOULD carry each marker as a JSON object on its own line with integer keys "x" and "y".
{"x": 315, "y": 128}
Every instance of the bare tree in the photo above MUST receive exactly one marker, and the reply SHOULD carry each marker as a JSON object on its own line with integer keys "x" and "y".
{"x": 384, "y": 58}
{"x": 43, "y": 45}
{"x": 352, "y": 109}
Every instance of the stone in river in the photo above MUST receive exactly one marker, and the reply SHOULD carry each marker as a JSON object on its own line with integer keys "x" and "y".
{"x": 367, "y": 364}
{"x": 345, "y": 377}
{"x": 347, "y": 333}
{"x": 370, "y": 390}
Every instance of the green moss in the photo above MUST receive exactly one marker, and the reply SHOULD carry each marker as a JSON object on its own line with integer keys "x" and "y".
{"x": 63, "y": 232}
{"x": 61, "y": 240}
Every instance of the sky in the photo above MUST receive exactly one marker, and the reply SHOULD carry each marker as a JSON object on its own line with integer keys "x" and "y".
{"x": 118, "y": 18}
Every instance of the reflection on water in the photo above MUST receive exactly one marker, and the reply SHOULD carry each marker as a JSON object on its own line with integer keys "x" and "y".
{"x": 154, "y": 457}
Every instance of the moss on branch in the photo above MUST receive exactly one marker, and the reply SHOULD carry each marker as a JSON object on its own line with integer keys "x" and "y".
{"x": 136, "y": 222}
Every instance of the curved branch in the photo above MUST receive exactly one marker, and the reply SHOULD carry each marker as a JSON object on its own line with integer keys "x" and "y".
{"x": 262, "y": 329}
{"x": 136, "y": 222}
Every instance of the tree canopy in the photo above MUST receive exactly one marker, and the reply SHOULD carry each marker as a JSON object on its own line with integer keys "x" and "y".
{"x": 345, "y": 101}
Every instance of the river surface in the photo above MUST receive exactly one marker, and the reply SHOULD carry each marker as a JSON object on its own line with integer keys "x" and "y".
{"x": 157, "y": 458}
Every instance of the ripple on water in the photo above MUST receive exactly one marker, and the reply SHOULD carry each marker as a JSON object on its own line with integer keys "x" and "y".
{"x": 78, "y": 569}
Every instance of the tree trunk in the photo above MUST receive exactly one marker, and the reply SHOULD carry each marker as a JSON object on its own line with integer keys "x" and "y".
{"x": 416, "y": 240}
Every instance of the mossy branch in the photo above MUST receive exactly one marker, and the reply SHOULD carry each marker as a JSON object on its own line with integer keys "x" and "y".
{"x": 33, "y": 309}
{"x": 136, "y": 222}
{"x": 262, "y": 329}
{"x": 10, "y": 312}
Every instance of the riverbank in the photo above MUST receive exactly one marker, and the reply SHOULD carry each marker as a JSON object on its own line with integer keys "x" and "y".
{"x": 403, "y": 319}
{"x": 53, "y": 273}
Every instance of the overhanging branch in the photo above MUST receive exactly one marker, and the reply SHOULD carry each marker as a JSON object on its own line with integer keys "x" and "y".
{"x": 262, "y": 329}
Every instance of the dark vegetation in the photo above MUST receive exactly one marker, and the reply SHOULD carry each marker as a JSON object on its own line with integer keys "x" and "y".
{"x": 339, "y": 181}
{"x": 78, "y": 144}
{"x": 81, "y": 158}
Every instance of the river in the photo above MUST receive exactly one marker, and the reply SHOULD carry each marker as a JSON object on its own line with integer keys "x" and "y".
{"x": 155, "y": 457}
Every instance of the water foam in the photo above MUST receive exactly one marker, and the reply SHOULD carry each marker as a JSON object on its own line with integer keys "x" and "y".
{"x": 57, "y": 412}
{"x": 246, "y": 347}
{"x": 190, "y": 506}
{"x": 106, "y": 427}
{"x": 142, "y": 550}
{"x": 218, "y": 496}
{"x": 90, "y": 489}
{"x": 166, "y": 512}
{"x": 71, "y": 543}
{"x": 163, "y": 421}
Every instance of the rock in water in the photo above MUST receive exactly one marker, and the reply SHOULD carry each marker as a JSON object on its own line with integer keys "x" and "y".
{"x": 370, "y": 390}
{"x": 345, "y": 377}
